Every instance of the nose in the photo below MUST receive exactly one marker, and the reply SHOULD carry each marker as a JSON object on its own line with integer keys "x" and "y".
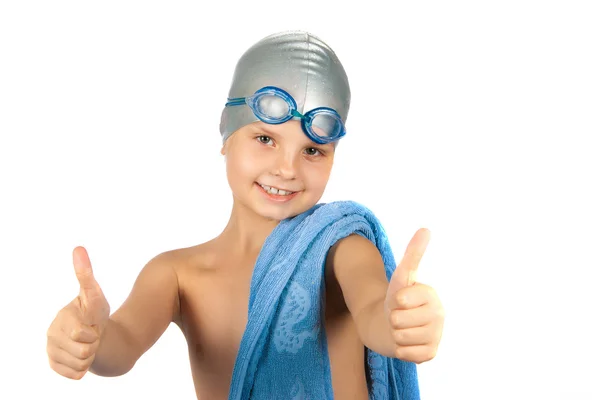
{"x": 285, "y": 166}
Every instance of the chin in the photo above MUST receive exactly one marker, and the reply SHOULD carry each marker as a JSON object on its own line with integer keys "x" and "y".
{"x": 278, "y": 213}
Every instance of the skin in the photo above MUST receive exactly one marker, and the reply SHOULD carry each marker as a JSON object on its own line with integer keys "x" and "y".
{"x": 204, "y": 289}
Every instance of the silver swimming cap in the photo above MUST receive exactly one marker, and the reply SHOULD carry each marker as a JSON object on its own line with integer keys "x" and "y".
{"x": 295, "y": 61}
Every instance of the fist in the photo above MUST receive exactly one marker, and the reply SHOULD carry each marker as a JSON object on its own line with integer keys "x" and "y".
{"x": 415, "y": 313}
{"x": 74, "y": 335}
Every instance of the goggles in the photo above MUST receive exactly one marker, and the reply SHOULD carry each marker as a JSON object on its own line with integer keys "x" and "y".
{"x": 276, "y": 106}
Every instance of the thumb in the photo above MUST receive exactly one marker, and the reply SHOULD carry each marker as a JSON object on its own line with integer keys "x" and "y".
{"x": 406, "y": 273}
{"x": 92, "y": 300}
{"x": 83, "y": 270}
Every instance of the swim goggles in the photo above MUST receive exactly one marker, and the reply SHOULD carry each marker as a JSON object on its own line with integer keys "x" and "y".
{"x": 275, "y": 106}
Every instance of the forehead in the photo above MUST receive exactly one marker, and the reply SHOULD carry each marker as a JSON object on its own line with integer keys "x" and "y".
{"x": 289, "y": 128}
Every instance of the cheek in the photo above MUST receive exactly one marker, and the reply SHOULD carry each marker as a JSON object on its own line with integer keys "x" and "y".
{"x": 317, "y": 176}
{"x": 243, "y": 166}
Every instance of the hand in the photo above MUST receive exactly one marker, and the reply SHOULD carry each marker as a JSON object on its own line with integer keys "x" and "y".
{"x": 414, "y": 310}
{"x": 74, "y": 335}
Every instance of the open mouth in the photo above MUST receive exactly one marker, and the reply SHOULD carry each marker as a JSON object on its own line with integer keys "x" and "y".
{"x": 275, "y": 192}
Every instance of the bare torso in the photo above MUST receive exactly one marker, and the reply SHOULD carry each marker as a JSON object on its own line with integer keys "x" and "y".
{"x": 214, "y": 288}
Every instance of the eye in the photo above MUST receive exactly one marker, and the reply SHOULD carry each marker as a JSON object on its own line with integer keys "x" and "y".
{"x": 311, "y": 151}
{"x": 264, "y": 139}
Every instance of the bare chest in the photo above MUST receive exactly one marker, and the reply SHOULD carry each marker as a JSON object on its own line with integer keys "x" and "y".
{"x": 214, "y": 308}
{"x": 214, "y": 313}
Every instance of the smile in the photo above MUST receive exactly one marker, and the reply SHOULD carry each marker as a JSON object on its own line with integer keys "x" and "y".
{"x": 276, "y": 191}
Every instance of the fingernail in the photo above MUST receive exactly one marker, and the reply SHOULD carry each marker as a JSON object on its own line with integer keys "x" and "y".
{"x": 412, "y": 278}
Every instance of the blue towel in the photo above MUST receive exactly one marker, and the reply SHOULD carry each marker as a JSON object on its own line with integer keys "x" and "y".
{"x": 283, "y": 353}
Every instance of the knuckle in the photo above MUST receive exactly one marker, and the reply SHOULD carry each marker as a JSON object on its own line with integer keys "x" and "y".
{"x": 76, "y": 375}
{"x": 82, "y": 366}
{"x": 400, "y": 336}
{"x": 399, "y": 353}
{"x": 84, "y": 351}
{"x": 78, "y": 365}
{"x": 76, "y": 332}
{"x": 401, "y": 299}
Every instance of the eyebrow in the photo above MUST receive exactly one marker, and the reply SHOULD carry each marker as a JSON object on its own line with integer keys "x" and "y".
{"x": 268, "y": 130}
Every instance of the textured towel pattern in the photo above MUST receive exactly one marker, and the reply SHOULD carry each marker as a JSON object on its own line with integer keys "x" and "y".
{"x": 283, "y": 353}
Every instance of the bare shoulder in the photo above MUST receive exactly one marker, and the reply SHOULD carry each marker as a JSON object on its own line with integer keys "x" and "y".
{"x": 350, "y": 252}
{"x": 162, "y": 276}
{"x": 190, "y": 263}
{"x": 190, "y": 259}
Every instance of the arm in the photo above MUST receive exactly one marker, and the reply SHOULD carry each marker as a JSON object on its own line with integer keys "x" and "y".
{"x": 402, "y": 319}
{"x": 359, "y": 271}
{"x": 144, "y": 316}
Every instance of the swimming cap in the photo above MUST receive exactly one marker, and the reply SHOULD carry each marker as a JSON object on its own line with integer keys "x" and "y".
{"x": 295, "y": 61}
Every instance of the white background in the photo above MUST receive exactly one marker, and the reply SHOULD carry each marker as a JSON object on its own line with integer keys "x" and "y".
{"x": 478, "y": 120}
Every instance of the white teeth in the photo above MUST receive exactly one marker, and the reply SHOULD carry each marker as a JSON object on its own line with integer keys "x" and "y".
{"x": 272, "y": 190}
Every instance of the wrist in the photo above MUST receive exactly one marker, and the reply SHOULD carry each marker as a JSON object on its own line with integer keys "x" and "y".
{"x": 375, "y": 330}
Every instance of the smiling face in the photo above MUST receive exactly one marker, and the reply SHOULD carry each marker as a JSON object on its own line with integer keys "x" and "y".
{"x": 276, "y": 170}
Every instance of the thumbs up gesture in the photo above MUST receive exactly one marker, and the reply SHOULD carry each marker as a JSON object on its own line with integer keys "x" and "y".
{"x": 414, "y": 310}
{"x": 74, "y": 335}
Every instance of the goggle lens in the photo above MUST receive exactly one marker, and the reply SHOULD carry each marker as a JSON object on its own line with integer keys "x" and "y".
{"x": 326, "y": 125}
{"x": 273, "y": 107}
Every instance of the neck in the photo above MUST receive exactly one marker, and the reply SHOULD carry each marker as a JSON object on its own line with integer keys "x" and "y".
{"x": 246, "y": 231}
